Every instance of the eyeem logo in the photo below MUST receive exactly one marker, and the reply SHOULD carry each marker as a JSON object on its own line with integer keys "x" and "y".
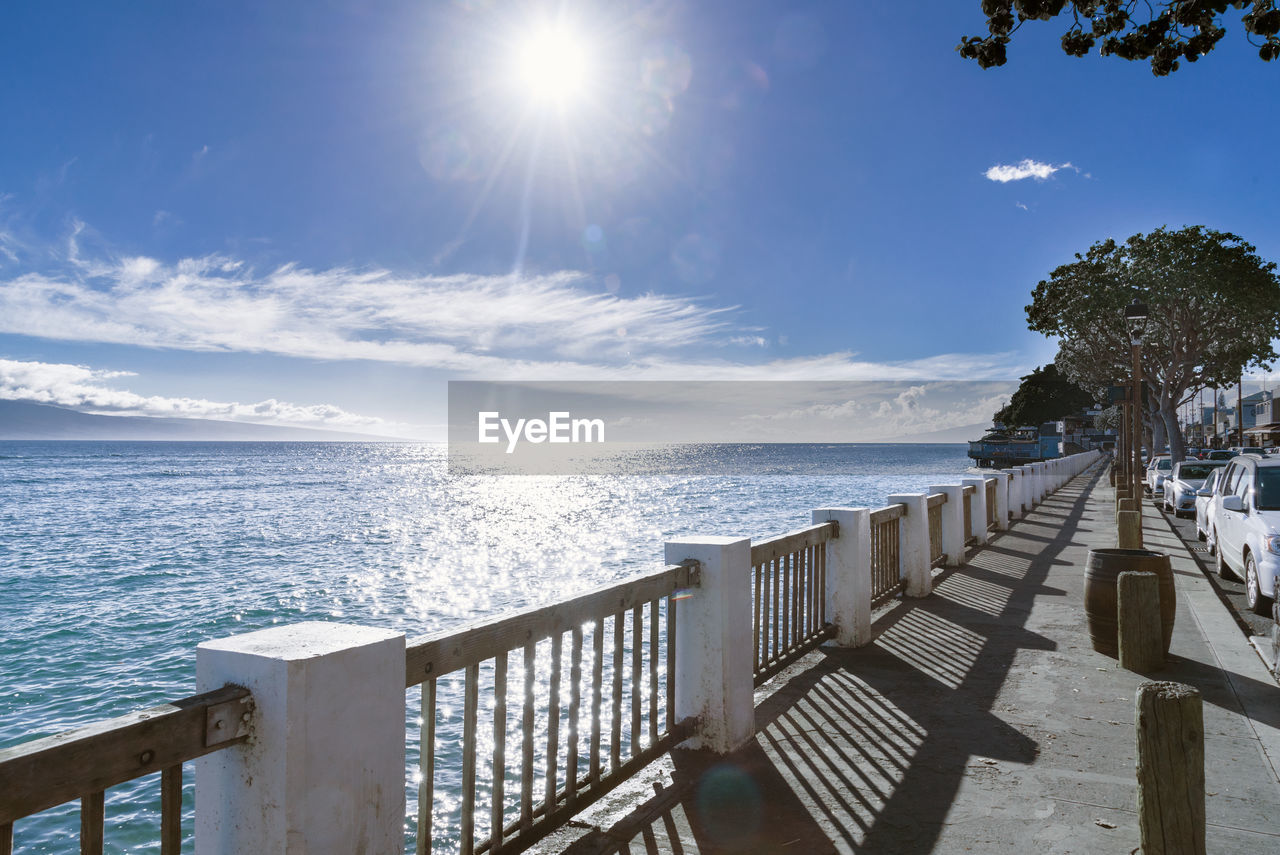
{"x": 558, "y": 427}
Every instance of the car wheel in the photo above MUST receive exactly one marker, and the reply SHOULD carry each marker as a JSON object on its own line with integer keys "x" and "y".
{"x": 1224, "y": 572}
{"x": 1253, "y": 598}
{"x": 1200, "y": 535}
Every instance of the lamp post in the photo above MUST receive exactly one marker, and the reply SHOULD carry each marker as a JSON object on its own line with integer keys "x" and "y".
{"x": 1135, "y": 320}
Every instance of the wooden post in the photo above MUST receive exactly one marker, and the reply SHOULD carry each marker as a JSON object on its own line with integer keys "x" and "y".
{"x": 1170, "y": 724}
{"x": 1129, "y": 530}
{"x": 1138, "y": 619}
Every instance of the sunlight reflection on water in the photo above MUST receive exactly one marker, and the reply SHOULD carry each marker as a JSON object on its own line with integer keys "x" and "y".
{"x": 117, "y": 559}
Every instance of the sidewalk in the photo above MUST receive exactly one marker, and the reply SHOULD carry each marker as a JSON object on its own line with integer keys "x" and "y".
{"x": 980, "y": 720}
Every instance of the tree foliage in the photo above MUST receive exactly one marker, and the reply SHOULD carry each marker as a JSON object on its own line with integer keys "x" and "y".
{"x": 1044, "y": 396}
{"x": 1214, "y": 309}
{"x": 1163, "y": 33}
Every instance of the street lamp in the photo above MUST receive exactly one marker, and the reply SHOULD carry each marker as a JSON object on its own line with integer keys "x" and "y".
{"x": 1135, "y": 321}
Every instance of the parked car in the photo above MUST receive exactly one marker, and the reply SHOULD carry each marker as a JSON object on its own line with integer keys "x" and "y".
{"x": 1246, "y": 527}
{"x": 1184, "y": 480}
{"x": 1220, "y": 454}
{"x": 1157, "y": 470}
{"x": 1247, "y": 449}
{"x": 1204, "y": 507}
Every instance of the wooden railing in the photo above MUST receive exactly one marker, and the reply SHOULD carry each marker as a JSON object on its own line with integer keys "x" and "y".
{"x": 616, "y": 744}
{"x": 789, "y": 578}
{"x": 83, "y": 763}
{"x": 935, "y": 502}
{"x": 969, "y": 491}
{"x": 886, "y": 566}
{"x": 991, "y": 503}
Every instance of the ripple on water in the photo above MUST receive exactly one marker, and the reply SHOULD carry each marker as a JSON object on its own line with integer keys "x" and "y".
{"x": 117, "y": 559}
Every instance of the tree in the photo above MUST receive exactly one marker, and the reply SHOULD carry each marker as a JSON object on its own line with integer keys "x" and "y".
{"x": 1214, "y": 307}
{"x": 1173, "y": 30}
{"x": 1044, "y": 396}
{"x": 1109, "y": 419}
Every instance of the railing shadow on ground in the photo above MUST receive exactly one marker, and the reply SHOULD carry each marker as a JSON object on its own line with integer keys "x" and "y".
{"x": 865, "y": 750}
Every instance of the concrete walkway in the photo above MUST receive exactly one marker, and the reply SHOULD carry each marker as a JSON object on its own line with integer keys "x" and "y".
{"x": 979, "y": 720}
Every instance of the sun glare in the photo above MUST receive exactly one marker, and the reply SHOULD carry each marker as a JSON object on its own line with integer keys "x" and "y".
{"x": 553, "y": 65}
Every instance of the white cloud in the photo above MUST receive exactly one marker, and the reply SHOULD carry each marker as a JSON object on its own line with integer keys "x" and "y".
{"x": 1026, "y": 168}
{"x": 452, "y": 322}
{"x": 557, "y": 326}
{"x": 87, "y": 389}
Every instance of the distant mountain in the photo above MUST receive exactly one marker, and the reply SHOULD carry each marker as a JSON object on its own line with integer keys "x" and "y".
{"x": 24, "y": 420}
{"x": 964, "y": 433}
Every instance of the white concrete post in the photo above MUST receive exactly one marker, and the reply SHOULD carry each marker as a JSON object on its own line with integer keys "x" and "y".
{"x": 1038, "y": 480}
{"x": 323, "y": 772}
{"x": 848, "y": 594}
{"x": 977, "y": 508}
{"x": 1018, "y": 492}
{"x": 953, "y": 535}
{"x": 1002, "y": 501}
{"x": 913, "y": 544}
{"x": 715, "y": 644}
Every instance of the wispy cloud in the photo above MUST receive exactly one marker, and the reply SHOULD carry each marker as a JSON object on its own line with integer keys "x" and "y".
{"x": 452, "y": 322}
{"x": 1026, "y": 168}
{"x": 90, "y": 390}
{"x": 556, "y": 326}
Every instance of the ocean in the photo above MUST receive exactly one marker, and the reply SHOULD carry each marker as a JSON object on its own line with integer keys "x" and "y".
{"x": 118, "y": 558}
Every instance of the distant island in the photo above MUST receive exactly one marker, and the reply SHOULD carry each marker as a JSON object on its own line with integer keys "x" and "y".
{"x": 25, "y": 420}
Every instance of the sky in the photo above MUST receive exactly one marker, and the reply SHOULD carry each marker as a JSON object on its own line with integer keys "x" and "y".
{"x": 318, "y": 213}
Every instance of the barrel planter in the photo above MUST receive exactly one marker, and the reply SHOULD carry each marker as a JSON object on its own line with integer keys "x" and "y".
{"x": 1103, "y": 567}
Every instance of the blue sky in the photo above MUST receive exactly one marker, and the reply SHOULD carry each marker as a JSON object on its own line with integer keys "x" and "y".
{"x": 317, "y": 213}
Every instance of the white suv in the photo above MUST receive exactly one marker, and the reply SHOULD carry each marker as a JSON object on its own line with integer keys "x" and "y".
{"x": 1246, "y": 522}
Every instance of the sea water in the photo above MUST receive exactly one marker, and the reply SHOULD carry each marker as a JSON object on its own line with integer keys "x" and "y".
{"x": 118, "y": 558}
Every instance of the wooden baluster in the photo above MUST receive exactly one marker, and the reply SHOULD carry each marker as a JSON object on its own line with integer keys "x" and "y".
{"x": 427, "y": 766}
{"x": 92, "y": 816}
{"x": 671, "y": 662}
{"x": 526, "y": 752}
{"x": 470, "y": 704}
{"x": 775, "y": 573}
{"x": 553, "y": 723}
{"x": 653, "y": 672}
{"x": 756, "y": 579}
{"x": 575, "y": 710}
{"x": 171, "y": 810}
{"x": 637, "y": 673}
{"x": 615, "y": 722}
{"x": 597, "y": 696}
{"x": 497, "y": 808}
{"x": 787, "y": 605}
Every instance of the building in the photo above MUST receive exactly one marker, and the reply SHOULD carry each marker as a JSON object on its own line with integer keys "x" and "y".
{"x": 1265, "y": 430}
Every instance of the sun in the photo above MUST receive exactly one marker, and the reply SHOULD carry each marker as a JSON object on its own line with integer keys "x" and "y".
{"x": 553, "y": 65}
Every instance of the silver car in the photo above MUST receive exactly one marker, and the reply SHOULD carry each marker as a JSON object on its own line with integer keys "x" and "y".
{"x": 1204, "y": 508}
{"x": 1157, "y": 470}
{"x": 1184, "y": 480}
